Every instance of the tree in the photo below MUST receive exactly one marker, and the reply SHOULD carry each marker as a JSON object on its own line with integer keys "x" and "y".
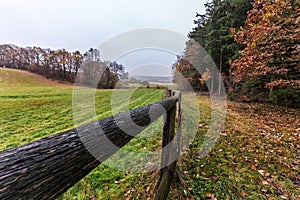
{"x": 36, "y": 57}
{"x": 213, "y": 29}
{"x": 116, "y": 68}
{"x": 63, "y": 65}
{"x": 64, "y": 59}
{"x": 269, "y": 64}
{"x": 92, "y": 55}
{"x": 76, "y": 63}
{"x": 9, "y": 55}
{"x": 97, "y": 73}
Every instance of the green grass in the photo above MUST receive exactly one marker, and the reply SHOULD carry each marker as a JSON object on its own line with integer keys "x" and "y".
{"x": 255, "y": 157}
{"x": 32, "y": 108}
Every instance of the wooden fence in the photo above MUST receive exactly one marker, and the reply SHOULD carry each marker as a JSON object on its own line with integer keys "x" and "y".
{"x": 48, "y": 167}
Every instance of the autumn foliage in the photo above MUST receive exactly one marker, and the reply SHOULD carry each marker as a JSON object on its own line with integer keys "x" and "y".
{"x": 61, "y": 65}
{"x": 272, "y": 52}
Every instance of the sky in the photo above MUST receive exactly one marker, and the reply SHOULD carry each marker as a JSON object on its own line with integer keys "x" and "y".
{"x": 82, "y": 24}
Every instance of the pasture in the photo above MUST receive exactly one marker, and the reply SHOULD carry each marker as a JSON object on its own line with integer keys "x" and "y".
{"x": 255, "y": 157}
{"x": 32, "y": 107}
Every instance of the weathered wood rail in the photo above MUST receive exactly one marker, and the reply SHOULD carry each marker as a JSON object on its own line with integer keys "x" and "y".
{"x": 48, "y": 167}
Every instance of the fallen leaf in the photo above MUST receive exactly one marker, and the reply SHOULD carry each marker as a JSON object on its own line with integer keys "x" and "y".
{"x": 264, "y": 190}
{"x": 262, "y": 172}
{"x": 243, "y": 194}
{"x": 284, "y": 197}
{"x": 208, "y": 195}
{"x": 265, "y": 182}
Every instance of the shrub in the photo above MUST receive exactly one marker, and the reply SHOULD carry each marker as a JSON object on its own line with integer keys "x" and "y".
{"x": 286, "y": 97}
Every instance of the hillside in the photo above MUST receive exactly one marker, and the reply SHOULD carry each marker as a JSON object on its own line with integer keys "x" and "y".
{"x": 157, "y": 79}
{"x": 21, "y": 78}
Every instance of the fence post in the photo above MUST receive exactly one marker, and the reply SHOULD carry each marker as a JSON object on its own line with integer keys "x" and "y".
{"x": 179, "y": 115}
{"x": 168, "y": 134}
{"x": 170, "y": 153}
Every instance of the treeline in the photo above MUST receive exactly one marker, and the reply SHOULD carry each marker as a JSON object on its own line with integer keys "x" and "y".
{"x": 62, "y": 65}
{"x": 255, "y": 45}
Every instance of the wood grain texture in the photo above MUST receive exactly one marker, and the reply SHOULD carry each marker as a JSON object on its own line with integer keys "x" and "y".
{"x": 172, "y": 153}
{"x": 48, "y": 167}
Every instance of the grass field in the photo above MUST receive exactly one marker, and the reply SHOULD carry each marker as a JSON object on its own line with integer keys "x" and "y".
{"x": 32, "y": 107}
{"x": 256, "y": 156}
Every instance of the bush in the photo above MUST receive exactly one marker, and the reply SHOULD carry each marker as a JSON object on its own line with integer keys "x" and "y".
{"x": 230, "y": 96}
{"x": 286, "y": 97}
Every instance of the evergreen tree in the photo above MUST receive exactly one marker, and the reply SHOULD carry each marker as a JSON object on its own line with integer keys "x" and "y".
{"x": 213, "y": 29}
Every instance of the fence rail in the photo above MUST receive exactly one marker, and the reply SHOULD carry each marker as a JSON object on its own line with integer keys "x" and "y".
{"x": 48, "y": 167}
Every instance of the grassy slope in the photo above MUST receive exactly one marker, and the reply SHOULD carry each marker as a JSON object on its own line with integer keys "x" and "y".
{"x": 32, "y": 107}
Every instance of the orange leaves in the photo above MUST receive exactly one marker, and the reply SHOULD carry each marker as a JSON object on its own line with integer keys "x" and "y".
{"x": 271, "y": 36}
{"x": 283, "y": 83}
{"x": 233, "y": 31}
{"x": 243, "y": 194}
{"x": 244, "y": 98}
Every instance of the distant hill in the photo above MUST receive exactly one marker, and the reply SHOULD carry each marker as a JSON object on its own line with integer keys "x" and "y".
{"x": 157, "y": 79}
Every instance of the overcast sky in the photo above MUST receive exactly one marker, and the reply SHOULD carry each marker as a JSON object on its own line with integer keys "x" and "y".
{"x": 81, "y": 24}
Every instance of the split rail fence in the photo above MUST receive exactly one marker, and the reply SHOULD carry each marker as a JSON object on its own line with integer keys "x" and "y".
{"x": 46, "y": 168}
